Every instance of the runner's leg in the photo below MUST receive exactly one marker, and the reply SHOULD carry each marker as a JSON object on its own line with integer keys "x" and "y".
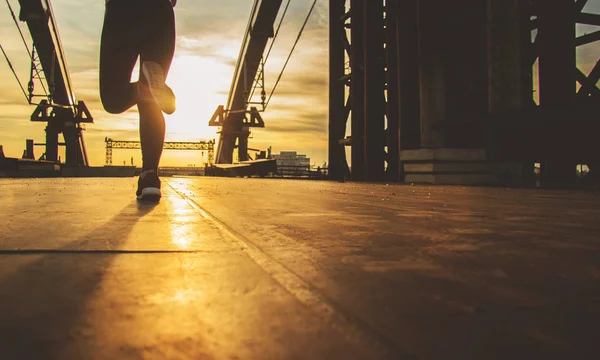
{"x": 119, "y": 51}
{"x": 158, "y": 47}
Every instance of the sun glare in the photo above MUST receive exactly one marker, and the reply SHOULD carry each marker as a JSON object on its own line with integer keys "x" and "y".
{"x": 200, "y": 85}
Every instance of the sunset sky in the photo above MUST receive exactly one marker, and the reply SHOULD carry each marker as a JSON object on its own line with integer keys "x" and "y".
{"x": 209, "y": 37}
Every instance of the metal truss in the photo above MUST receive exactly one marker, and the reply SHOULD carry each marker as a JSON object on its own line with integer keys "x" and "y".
{"x": 567, "y": 96}
{"x": 588, "y": 83}
{"x": 339, "y": 88}
{"x": 381, "y": 81}
{"x": 60, "y": 108}
{"x": 208, "y": 145}
{"x": 37, "y": 73}
{"x": 365, "y": 81}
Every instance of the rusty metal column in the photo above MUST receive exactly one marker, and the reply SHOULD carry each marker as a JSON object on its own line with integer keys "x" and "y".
{"x": 510, "y": 85}
{"x": 505, "y": 59}
{"x": 51, "y": 141}
{"x": 528, "y": 54}
{"x": 338, "y": 167}
{"x": 557, "y": 86}
{"x": 434, "y": 34}
{"x": 72, "y": 156}
{"x": 408, "y": 72}
{"x": 243, "y": 144}
{"x": 393, "y": 95}
{"x": 374, "y": 95}
{"x": 357, "y": 90}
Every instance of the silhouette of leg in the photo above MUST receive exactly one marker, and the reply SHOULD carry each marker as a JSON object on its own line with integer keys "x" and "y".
{"x": 158, "y": 46}
{"x": 119, "y": 51}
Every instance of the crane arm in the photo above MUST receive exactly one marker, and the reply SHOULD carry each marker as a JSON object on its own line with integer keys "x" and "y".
{"x": 233, "y": 118}
{"x": 260, "y": 30}
{"x": 63, "y": 113}
{"x": 42, "y": 26}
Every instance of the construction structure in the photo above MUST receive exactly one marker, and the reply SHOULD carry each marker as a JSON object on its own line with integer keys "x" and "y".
{"x": 204, "y": 145}
{"x": 59, "y": 107}
{"x": 238, "y": 116}
{"x": 442, "y": 91}
{"x": 463, "y": 92}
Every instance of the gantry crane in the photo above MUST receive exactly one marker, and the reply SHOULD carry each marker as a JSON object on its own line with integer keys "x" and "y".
{"x": 203, "y": 145}
{"x": 59, "y": 108}
{"x": 236, "y": 119}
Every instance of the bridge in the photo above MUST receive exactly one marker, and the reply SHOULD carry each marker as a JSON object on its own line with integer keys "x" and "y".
{"x": 475, "y": 93}
{"x": 443, "y": 91}
{"x": 385, "y": 262}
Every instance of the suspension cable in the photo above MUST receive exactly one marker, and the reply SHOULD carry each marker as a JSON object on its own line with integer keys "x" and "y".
{"x": 60, "y": 55}
{"x": 277, "y": 31}
{"x": 291, "y": 52}
{"x": 14, "y": 72}
{"x": 12, "y": 13}
{"x": 29, "y": 53}
{"x": 271, "y": 46}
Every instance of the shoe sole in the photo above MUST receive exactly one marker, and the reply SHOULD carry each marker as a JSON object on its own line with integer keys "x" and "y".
{"x": 154, "y": 75}
{"x": 150, "y": 194}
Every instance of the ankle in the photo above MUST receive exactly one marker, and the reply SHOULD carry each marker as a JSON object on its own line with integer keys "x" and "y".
{"x": 146, "y": 172}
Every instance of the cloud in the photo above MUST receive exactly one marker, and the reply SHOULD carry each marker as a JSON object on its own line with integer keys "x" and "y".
{"x": 310, "y": 124}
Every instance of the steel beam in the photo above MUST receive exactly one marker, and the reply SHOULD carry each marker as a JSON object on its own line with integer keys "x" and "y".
{"x": 357, "y": 90}
{"x": 588, "y": 38}
{"x": 338, "y": 116}
{"x": 374, "y": 95}
{"x": 557, "y": 85}
{"x": 557, "y": 53}
{"x": 52, "y": 133}
{"x": 393, "y": 92}
{"x": 589, "y": 85}
{"x": 505, "y": 57}
{"x": 528, "y": 55}
{"x": 589, "y": 19}
{"x": 408, "y": 73}
{"x": 233, "y": 128}
{"x": 61, "y": 110}
{"x": 203, "y": 145}
{"x": 433, "y": 64}
{"x": 579, "y": 5}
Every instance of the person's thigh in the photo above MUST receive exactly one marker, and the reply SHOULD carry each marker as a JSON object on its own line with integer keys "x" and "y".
{"x": 158, "y": 44}
{"x": 119, "y": 50}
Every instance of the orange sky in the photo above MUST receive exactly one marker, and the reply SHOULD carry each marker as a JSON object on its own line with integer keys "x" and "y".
{"x": 209, "y": 37}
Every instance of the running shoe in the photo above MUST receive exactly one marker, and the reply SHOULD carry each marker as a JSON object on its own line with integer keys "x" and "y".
{"x": 161, "y": 93}
{"x": 148, "y": 187}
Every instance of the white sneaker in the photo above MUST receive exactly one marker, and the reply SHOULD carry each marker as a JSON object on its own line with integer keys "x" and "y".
{"x": 161, "y": 92}
{"x": 148, "y": 187}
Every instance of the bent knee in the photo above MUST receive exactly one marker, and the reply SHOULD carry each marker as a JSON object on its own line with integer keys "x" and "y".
{"x": 114, "y": 104}
{"x": 113, "y": 109}
{"x": 117, "y": 96}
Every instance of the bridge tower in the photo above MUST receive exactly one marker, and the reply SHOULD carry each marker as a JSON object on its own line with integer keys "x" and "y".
{"x": 443, "y": 91}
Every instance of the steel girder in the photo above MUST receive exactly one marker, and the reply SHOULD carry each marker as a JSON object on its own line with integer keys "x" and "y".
{"x": 204, "y": 145}
{"x": 358, "y": 65}
{"x": 358, "y": 91}
{"x": 61, "y": 111}
{"x": 564, "y": 87}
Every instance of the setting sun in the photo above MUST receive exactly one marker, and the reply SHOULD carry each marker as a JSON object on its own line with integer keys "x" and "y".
{"x": 198, "y": 83}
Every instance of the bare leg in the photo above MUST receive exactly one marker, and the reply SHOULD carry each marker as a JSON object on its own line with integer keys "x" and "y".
{"x": 119, "y": 51}
{"x": 158, "y": 47}
{"x": 131, "y": 28}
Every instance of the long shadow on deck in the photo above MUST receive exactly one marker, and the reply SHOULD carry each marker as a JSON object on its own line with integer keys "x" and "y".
{"x": 43, "y": 296}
